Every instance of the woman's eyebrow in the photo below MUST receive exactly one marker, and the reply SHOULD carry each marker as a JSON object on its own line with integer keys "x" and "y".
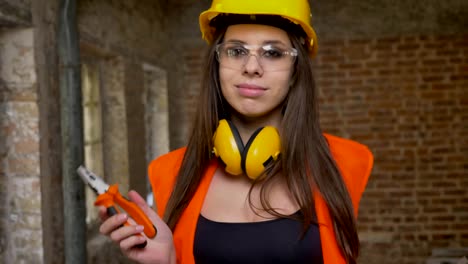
{"x": 275, "y": 41}
{"x": 265, "y": 42}
{"x": 236, "y": 41}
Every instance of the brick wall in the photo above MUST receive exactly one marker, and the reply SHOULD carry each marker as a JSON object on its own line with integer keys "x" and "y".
{"x": 407, "y": 99}
{"x": 20, "y": 224}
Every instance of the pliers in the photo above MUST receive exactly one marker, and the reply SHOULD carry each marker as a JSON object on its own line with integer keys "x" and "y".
{"x": 109, "y": 196}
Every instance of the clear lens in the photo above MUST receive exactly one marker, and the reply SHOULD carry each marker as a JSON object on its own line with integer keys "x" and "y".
{"x": 271, "y": 57}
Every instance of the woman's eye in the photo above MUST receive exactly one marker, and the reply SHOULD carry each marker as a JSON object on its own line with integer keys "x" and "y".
{"x": 236, "y": 52}
{"x": 272, "y": 53}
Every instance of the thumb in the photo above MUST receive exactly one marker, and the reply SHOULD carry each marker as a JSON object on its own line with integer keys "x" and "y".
{"x": 140, "y": 201}
{"x": 153, "y": 216}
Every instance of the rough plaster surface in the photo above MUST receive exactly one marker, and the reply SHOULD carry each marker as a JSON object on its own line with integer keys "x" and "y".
{"x": 335, "y": 19}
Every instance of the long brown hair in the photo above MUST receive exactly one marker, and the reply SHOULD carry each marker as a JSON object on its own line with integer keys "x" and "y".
{"x": 306, "y": 161}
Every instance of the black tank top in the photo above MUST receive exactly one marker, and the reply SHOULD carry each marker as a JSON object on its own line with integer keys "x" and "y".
{"x": 275, "y": 241}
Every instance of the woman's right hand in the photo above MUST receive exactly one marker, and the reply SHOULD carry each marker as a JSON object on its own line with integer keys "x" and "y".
{"x": 159, "y": 250}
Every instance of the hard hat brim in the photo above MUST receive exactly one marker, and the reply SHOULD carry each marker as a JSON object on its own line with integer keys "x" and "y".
{"x": 208, "y": 31}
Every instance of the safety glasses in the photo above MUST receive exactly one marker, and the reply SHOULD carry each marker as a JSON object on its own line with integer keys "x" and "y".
{"x": 271, "y": 57}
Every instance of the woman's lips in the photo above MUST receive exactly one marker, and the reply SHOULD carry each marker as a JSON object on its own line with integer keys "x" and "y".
{"x": 250, "y": 90}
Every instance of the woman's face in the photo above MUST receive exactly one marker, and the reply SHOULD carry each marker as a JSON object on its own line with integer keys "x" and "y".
{"x": 255, "y": 86}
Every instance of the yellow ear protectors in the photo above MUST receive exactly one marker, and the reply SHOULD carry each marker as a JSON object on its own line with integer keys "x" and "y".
{"x": 263, "y": 147}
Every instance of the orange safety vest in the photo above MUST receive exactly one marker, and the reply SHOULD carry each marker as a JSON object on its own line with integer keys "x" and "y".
{"x": 354, "y": 162}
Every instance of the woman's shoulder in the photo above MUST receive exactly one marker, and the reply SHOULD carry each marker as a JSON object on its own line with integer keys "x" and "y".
{"x": 172, "y": 156}
{"x": 349, "y": 149}
{"x": 165, "y": 167}
{"x": 350, "y": 155}
{"x": 355, "y": 162}
{"x": 162, "y": 173}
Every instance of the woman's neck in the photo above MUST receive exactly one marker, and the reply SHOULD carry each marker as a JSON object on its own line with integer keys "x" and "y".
{"x": 248, "y": 125}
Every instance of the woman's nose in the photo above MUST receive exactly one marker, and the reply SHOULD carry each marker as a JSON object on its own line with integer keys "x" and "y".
{"x": 253, "y": 65}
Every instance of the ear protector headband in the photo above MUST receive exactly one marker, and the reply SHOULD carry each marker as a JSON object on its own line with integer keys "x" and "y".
{"x": 262, "y": 148}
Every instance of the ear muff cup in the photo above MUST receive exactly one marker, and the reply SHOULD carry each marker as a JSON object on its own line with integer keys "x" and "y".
{"x": 228, "y": 147}
{"x": 263, "y": 147}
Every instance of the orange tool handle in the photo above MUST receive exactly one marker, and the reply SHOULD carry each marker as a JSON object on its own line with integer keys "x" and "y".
{"x": 112, "y": 197}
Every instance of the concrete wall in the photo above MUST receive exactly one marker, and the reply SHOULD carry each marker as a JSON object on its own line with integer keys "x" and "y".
{"x": 337, "y": 19}
{"x": 122, "y": 43}
{"x": 15, "y": 13}
{"x": 371, "y": 18}
{"x": 121, "y": 46}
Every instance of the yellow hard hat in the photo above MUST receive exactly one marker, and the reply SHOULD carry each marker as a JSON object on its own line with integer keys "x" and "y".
{"x": 296, "y": 11}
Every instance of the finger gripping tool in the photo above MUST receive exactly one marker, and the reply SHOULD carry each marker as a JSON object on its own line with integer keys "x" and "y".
{"x": 109, "y": 197}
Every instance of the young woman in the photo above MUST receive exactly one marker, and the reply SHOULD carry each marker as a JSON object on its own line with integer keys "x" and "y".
{"x": 258, "y": 182}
